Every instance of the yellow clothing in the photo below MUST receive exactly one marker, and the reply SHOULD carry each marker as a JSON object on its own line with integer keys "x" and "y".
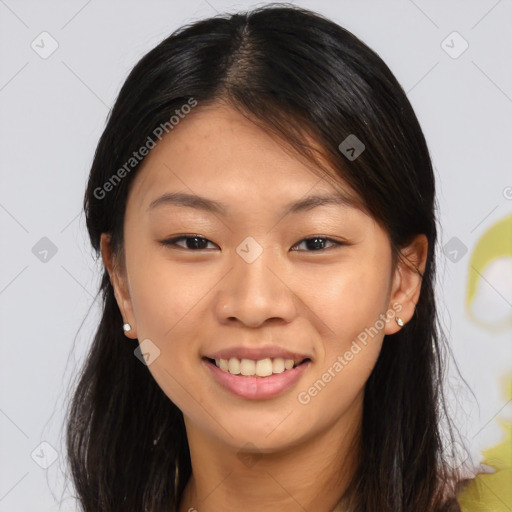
{"x": 492, "y": 492}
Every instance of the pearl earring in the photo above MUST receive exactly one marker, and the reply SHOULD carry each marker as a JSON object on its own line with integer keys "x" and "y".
{"x": 399, "y": 321}
{"x": 127, "y": 327}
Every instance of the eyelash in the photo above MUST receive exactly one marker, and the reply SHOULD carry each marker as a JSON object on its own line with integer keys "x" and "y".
{"x": 172, "y": 242}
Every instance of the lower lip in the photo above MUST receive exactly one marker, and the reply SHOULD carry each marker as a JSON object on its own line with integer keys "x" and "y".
{"x": 257, "y": 388}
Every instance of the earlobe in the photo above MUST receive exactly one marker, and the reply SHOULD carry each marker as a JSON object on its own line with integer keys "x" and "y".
{"x": 407, "y": 281}
{"x": 118, "y": 282}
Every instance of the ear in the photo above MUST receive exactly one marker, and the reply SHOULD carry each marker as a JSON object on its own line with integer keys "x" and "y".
{"x": 119, "y": 281}
{"x": 406, "y": 283}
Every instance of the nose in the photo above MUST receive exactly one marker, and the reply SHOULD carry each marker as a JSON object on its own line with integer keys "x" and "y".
{"x": 256, "y": 292}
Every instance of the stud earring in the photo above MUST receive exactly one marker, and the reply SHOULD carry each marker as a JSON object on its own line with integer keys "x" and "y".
{"x": 127, "y": 327}
{"x": 399, "y": 321}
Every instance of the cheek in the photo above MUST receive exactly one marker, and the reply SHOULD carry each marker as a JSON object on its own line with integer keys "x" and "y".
{"x": 164, "y": 294}
{"x": 349, "y": 302}
{"x": 350, "y": 348}
{"x": 348, "y": 298}
{"x": 166, "y": 301}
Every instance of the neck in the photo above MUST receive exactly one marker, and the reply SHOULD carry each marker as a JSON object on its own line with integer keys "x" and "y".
{"x": 310, "y": 475}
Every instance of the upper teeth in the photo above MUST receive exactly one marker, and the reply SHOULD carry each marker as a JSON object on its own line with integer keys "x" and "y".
{"x": 260, "y": 368}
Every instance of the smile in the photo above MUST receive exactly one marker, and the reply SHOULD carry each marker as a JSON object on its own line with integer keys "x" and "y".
{"x": 246, "y": 383}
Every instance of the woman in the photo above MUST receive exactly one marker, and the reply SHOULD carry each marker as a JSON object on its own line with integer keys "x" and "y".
{"x": 264, "y": 204}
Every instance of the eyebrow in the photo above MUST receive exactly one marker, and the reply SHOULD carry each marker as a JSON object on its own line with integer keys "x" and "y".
{"x": 217, "y": 207}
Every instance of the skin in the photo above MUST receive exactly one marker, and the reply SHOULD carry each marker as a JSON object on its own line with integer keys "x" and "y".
{"x": 191, "y": 302}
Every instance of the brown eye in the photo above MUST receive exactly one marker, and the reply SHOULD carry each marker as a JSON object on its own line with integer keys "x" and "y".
{"x": 317, "y": 243}
{"x": 192, "y": 242}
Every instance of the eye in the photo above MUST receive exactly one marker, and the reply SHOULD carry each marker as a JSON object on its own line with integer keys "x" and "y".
{"x": 197, "y": 242}
{"x": 316, "y": 243}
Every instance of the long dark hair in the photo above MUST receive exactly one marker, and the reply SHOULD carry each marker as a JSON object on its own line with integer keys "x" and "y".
{"x": 304, "y": 78}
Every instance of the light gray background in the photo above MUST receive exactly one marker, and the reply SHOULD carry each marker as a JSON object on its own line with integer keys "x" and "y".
{"x": 52, "y": 112}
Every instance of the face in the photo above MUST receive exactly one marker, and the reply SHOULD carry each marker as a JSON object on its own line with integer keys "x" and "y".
{"x": 252, "y": 279}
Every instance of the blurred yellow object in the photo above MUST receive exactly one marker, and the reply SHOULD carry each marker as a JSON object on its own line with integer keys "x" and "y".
{"x": 489, "y": 286}
{"x": 492, "y": 492}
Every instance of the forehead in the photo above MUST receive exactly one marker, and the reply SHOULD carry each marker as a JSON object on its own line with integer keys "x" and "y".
{"x": 217, "y": 152}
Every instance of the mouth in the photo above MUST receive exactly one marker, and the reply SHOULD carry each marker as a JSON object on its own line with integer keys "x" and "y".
{"x": 256, "y": 368}
{"x": 257, "y": 380}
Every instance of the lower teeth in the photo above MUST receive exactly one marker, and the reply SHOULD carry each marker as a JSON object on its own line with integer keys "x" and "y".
{"x": 259, "y": 376}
